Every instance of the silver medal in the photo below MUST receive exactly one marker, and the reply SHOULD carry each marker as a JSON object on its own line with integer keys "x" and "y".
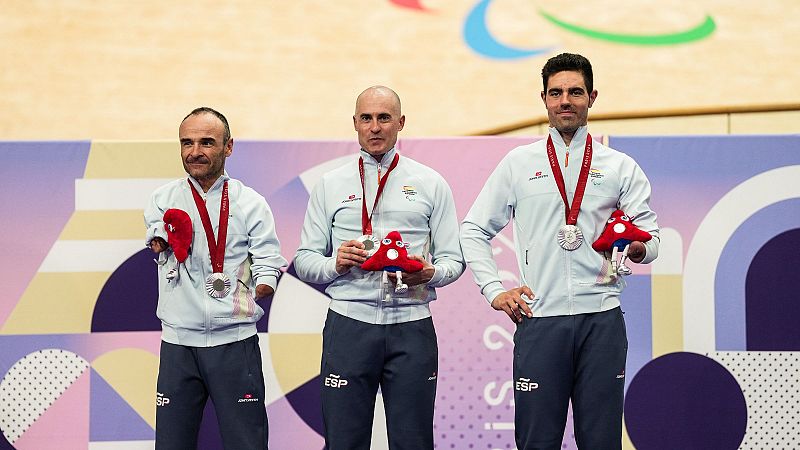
{"x": 569, "y": 237}
{"x": 371, "y": 244}
{"x": 218, "y": 285}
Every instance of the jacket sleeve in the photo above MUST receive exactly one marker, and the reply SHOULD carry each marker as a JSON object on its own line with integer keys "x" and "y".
{"x": 634, "y": 199}
{"x": 154, "y": 220}
{"x": 490, "y": 213}
{"x": 263, "y": 245}
{"x": 313, "y": 261}
{"x": 448, "y": 262}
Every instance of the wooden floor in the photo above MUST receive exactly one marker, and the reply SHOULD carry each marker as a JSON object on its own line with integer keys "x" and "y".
{"x": 132, "y": 69}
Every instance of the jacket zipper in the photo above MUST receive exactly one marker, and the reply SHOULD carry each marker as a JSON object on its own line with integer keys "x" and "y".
{"x": 382, "y": 291}
{"x": 569, "y": 256}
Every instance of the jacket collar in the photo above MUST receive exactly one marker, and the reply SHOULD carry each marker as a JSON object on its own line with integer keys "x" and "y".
{"x": 579, "y": 137}
{"x": 369, "y": 160}
{"x": 217, "y": 184}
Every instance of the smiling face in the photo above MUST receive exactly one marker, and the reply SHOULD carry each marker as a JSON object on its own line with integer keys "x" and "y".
{"x": 377, "y": 120}
{"x": 203, "y": 148}
{"x": 567, "y": 102}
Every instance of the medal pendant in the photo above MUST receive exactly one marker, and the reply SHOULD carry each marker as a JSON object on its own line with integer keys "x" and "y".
{"x": 569, "y": 237}
{"x": 371, "y": 244}
{"x": 218, "y": 285}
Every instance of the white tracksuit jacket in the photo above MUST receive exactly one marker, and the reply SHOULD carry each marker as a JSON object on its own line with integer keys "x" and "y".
{"x": 416, "y": 201}
{"x": 189, "y": 316}
{"x": 522, "y": 189}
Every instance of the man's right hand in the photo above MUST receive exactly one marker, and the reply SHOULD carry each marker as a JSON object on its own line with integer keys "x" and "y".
{"x": 350, "y": 253}
{"x": 513, "y": 304}
{"x": 158, "y": 245}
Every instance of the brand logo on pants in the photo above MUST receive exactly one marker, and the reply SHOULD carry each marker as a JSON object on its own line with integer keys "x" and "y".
{"x": 526, "y": 385}
{"x": 247, "y": 398}
{"x": 335, "y": 381}
{"x": 161, "y": 400}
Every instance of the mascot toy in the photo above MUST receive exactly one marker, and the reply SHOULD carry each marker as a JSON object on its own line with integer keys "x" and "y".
{"x": 617, "y": 236}
{"x": 392, "y": 256}
{"x": 178, "y": 226}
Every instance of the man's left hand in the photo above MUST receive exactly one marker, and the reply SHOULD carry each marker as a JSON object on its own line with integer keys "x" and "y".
{"x": 636, "y": 251}
{"x": 415, "y": 278}
{"x": 264, "y": 290}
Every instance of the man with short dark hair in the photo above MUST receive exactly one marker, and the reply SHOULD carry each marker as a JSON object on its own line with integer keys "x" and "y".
{"x": 570, "y": 341}
{"x": 217, "y": 253}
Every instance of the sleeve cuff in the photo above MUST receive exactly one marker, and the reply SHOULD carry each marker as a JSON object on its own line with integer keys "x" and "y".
{"x": 651, "y": 250}
{"x": 438, "y": 275}
{"x": 269, "y": 280}
{"x": 492, "y": 290}
{"x": 330, "y": 269}
{"x": 156, "y": 230}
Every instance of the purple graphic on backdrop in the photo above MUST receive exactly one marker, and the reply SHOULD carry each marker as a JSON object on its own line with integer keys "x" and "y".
{"x": 772, "y": 314}
{"x": 742, "y": 284}
{"x": 111, "y": 417}
{"x": 129, "y": 298}
{"x": 685, "y": 401}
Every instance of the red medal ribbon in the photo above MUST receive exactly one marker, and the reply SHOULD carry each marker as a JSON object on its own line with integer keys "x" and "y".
{"x": 366, "y": 217}
{"x": 216, "y": 248}
{"x": 571, "y": 212}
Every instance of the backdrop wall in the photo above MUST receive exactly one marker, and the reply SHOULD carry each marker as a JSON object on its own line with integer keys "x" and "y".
{"x": 713, "y": 353}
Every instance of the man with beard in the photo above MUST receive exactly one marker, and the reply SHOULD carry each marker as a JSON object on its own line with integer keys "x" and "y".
{"x": 570, "y": 341}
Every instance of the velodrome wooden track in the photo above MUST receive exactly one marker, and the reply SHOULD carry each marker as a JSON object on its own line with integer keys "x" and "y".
{"x": 131, "y": 69}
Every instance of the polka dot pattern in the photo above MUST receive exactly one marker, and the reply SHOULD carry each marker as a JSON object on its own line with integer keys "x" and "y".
{"x": 770, "y": 382}
{"x": 32, "y": 385}
{"x": 475, "y": 396}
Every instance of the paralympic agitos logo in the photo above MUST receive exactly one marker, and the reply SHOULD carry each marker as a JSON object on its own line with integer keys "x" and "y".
{"x": 481, "y": 40}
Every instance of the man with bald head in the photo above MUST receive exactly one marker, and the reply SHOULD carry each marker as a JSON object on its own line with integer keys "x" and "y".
{"x": 374, "y": 336}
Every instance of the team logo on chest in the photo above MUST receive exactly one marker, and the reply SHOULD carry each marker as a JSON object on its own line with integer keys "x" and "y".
{"x": 352, "y": 198}
{"x": 596, "y": 176}
{"x": 538, "y": 175}
{"x": 409, "y": 192}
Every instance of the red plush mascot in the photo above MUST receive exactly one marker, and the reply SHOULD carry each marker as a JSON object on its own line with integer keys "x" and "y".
{"x": 392, "y": 256}
{"x": 178, "y": 225}
{"x": 617, "y": 235}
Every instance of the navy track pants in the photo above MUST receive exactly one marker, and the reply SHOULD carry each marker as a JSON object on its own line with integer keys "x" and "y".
{"x": 580, "y": 357}
{"x": 357, "y": 358}
{"x": 230, "y": 375}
